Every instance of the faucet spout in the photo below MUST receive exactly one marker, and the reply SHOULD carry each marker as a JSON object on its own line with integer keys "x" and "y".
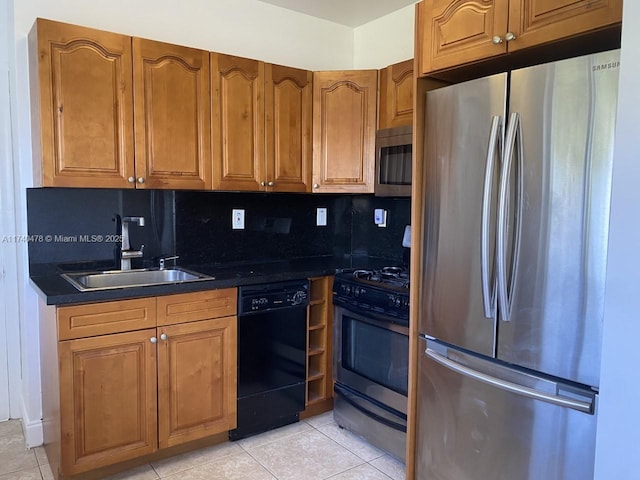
{"x": 126, "y": 253}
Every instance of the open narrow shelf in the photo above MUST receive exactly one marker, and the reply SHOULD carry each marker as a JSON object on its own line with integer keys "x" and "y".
{"x": 319, "y": 351}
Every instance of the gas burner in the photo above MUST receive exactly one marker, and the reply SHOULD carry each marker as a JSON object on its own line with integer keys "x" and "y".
{"x": 391, "y": 271}
{"x": 396, "y": 277}
{"x": 365, "y": 274}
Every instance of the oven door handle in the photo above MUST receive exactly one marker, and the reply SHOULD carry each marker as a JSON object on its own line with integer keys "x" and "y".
{"x": 385, "y": 421}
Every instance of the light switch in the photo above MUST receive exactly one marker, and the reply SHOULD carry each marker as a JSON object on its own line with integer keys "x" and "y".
{"x": 237, "y": 219}
{"x": 321, "y": 217}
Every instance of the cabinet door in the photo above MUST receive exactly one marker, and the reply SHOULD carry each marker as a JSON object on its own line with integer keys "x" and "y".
{"x": 289, "y": 106}
{"x": 107, "y": 399}
{"x": 172, "y": 116}
{"x": 535, "y": 22}
{"x": 82, "y": 107}
{"x": 344, "y": 124}
{"x": 237, "y": 122}
{"x": 196, "y": 379}
{"x": 396, "y": 95}
{"x": 461, "y": 31}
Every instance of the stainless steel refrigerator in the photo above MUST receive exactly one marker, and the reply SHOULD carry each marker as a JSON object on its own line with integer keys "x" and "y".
{"x": 517, "y": 209}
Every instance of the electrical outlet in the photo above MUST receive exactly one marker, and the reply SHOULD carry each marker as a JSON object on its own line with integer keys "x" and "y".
{"x": 380, "y": 217}
{"x": 321, "y": 217}
{"x": 237, "y": 219}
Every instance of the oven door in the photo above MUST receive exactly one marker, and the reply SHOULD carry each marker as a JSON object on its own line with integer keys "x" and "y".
{"x": 371, "y": 356}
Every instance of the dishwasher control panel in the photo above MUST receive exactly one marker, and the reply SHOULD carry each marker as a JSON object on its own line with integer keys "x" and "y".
{"x": 260, "y": 298}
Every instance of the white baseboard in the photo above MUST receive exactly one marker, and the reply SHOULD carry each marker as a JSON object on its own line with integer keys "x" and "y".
{"x": 32, "y": 429}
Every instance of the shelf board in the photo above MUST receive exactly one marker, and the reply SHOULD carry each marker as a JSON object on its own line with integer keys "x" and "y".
{"x": 318, "y": 301}
{"x": 317, "y": 326}
{"x": 313, "y": 397}
{"x": 314, "y": 375}
{"x": 315, "y": 350}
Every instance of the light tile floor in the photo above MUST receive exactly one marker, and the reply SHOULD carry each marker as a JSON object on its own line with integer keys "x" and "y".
{"x": 313, "y": 449}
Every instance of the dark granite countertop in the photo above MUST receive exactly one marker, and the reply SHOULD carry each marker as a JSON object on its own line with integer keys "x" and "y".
{"x": 55, "y": 290}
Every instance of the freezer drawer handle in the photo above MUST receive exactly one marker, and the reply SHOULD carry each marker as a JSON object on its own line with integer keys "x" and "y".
{"x": 585, "y": 407}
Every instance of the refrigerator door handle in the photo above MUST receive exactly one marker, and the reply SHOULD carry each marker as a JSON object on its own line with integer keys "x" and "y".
{"x": 585, "y": 407}
{"x": 488, "y": 286}
{"x": 513, "y": 143}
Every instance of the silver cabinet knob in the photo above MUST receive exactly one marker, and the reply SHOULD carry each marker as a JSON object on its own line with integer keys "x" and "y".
{"x": 140, "y": 180}
{"x": 315, "y": 185}
{"x": 263, "y": 184}
{"x": 153, "y": 340}
{"x": 131, "y": 179}
{"x": 509, "y": 36}
{"x": 497, "y": 40}
{"x": 163, "y": 336}
{"x": 270, "y": 184}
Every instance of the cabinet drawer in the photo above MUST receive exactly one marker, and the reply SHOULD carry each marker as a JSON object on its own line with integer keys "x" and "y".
{"x": 109, "y": 317}
{"x": 188, "y": 307}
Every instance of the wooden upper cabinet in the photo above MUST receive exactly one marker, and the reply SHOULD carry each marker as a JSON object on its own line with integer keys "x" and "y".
{"x": 457, "y": 32}
{"x": 535, "y": 22}
{"x": 172, "y": 116}
{"x": 288, "y": 109}
{"x": 82, "y": 108}
{"x": 107, "y": 400}
{"x": 237, "y": 90}
{"x": 197, "y": 364}
{"x": 395, "y": 95}
{"x": 344, "y": 125}
{"x": 461, "y": 31}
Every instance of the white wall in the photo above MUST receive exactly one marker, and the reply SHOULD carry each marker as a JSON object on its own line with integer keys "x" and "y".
{"x": 10, "y": 374}
{"x": 239, "y": 27}
{"x": 617, "y": 451}
{"x": 385, "y": 41}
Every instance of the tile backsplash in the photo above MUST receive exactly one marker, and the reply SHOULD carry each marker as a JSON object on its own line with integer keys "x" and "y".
{"x": 77, "y": 225}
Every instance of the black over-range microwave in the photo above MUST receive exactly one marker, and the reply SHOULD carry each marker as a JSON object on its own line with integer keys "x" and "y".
{"x": 393, "y": 162}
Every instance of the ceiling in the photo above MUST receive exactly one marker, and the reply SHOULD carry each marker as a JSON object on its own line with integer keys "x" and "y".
{"x": 352, "y": 13}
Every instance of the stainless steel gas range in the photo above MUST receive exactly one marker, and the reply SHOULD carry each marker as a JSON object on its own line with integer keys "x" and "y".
{"x": 371, "y": 355}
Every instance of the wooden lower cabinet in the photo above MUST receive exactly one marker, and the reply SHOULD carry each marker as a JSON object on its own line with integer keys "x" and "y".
{"x": 110, "y": 398}
{"x": 197, "y": 365}
{"x": 107, "y": 399}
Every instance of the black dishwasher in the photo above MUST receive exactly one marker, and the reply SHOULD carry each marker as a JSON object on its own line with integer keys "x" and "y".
{"x": 272, "y": 333}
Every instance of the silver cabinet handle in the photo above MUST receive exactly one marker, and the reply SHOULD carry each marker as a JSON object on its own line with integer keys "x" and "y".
{"x": 509, "y": 36}
{"x": 131, "y": 180}
{"x": 270, "y": 184}
{"x": 263, "y": 184}
{"x": 163, "y": 336}
{"x": 512, "y": 387}
{"x": 497, "y": 40}
{"x": 140, "y": 180}
{"x": 495, "y": 143}
{"x": 315, "y": 185}
{"x": 153, "y": 339}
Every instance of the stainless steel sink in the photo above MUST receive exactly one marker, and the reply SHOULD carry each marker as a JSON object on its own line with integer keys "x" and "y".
{"x": 88, "y": 281}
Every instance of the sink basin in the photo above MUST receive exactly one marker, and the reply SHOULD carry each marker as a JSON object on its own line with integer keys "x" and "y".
{"x": 89, "y": 281}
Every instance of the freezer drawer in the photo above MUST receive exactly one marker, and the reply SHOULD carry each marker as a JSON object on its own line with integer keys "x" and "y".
{"x": 478, "y": 420}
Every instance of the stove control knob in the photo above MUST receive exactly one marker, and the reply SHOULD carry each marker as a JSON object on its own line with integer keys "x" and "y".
{"x": 348, "y": 289}
{"x": 356, "y": 291}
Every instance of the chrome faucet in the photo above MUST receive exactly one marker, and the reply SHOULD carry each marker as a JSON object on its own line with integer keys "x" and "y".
{"x": 125, "y": 253}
